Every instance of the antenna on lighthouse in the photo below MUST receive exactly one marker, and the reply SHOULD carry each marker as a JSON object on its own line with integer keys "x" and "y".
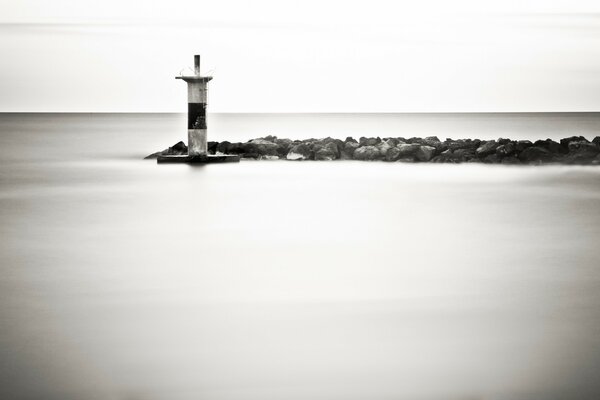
{"x": 197, "y": 65}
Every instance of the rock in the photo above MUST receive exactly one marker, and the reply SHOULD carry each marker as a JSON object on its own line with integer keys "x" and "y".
{"x": 211, "y": 147}
{"x": 511, "y": 160}
{"x": 350, "y": 139}
{"x": 316, "y": 146}
{"x": 475, "y": 143}
{"x": 258, "y": 148}
{"x": 414, "y": 140}
{"x": 596, "y": 141}
{"x": 447, "y": 156}
{"x": 536, "y": 154}
{"x": 492, "y": 159}
{"x": 583, "y": 146}
{"x": 248, "y": 151}
{"x": 223, "y": 147}
{"x": 464, "y": 155}
{"x": 283, "y": 147}
{"x": 462, "y": 144}
{"x": 425, "y": 153}
{"x": 522, "y": 145}
{"x": 326, "y": 153}
{"x": 363, "y": 141}
{"x": 503, "y": 141}
{"x": 456, "y": 156}
{"x": 407, "y": 150}
{"x": 269, "y": 138}
{"x": 432, "y": 141}
{"x": 299, "y": 152}
{"x": 367, "y": 153}
{"x": 236, "y": 148}
{"x": 565, "y": 142}
{"x": 392, "y": 154}
{"x": 444, "y": 157}
{"x": 582, "y": 152}
{"x": 348, "y": 151}
{"x": 264, "y": 147}
{"x": 392, "y": 142}
{"x": 178, "y": 149}
{"x": 326, "y": 149}
{"x": 383, "y": 148}
{"x": 506, "y": 149}
{"x": 336, "y": 146}
{"x": 487, "y": 148}
{"x": 551, "y": 145}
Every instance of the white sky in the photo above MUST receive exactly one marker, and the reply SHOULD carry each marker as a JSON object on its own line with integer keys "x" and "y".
{"x": 301, "y": 56}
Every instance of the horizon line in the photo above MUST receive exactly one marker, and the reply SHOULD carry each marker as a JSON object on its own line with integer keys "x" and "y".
{"x": 304, "y": 112}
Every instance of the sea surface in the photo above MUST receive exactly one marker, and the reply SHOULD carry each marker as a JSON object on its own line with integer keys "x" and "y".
{"x": 275, "y": 280}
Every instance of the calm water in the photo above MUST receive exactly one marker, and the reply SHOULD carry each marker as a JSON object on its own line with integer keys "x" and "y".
{"x": 123, "y": 279}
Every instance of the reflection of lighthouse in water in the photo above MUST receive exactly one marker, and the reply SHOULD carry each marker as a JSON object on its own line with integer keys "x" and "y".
{"x": 197, "y": 102}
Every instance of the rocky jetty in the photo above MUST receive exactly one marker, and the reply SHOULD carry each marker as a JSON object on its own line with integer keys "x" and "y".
{"x": 572, "y": 150}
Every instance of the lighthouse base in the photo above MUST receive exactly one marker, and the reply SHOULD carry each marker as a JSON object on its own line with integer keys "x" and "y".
{"x": 198, "y": 159}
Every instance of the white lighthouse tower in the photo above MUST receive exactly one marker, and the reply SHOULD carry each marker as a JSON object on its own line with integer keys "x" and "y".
{"x": 197, "y": 89}
{"x": 197, "y": 101}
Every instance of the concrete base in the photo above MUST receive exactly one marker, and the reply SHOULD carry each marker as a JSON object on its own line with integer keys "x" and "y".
{"x": 197, "y": 141}
{"x": 203, "y": 159}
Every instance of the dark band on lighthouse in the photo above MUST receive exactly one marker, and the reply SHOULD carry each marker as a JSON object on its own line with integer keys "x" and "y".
{"x": 196, "y": 115}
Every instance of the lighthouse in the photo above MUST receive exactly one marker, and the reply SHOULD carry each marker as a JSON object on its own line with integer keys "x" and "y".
{"x": 197, "y": 90}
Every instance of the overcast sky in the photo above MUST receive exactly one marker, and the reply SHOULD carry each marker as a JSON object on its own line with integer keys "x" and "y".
{"x": 301, "y": 56}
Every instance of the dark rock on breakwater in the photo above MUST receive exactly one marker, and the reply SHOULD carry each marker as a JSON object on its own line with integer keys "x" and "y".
{"x": 572, "y": 150}
{"x": 178, "y": 149}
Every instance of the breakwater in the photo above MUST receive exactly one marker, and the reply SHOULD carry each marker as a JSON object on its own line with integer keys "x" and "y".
{"x": 571, "y": 150}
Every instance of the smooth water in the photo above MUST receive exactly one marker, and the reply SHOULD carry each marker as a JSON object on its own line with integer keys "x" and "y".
{"x": 124, "y": 279}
